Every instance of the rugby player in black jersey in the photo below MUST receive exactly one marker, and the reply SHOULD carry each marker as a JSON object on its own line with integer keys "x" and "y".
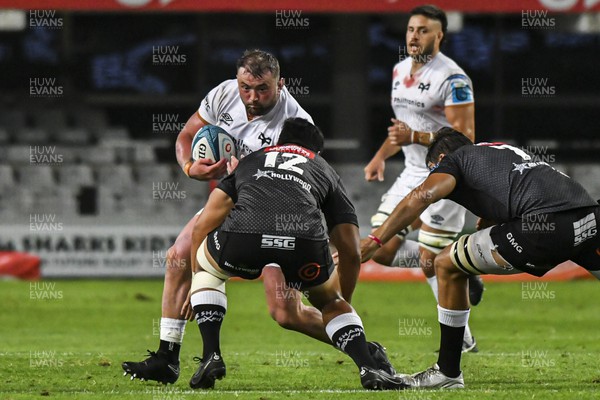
{"x": 240, "y": 231}
{"x": 532, "y": 217}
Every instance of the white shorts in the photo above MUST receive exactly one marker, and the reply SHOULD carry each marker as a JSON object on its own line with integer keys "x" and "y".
{"x": 444, "y": 214}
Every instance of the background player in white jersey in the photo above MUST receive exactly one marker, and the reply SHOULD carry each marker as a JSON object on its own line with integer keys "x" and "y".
{"x": 252, "y": 108}
{"x": 429, "y": 91}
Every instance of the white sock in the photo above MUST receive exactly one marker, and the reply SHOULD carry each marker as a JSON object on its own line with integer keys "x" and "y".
{"x": 407, "y": 255}
{"x": 434, "y": 286}
{"x": 209, "y": 297}
{"x": 340, "y": 330}
{"x": 453, "y": 318}
{"x": 172, "y": 330}
{"x": 468, "y": 337}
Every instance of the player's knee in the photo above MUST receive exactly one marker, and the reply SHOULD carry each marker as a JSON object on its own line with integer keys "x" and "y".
{"x": 444, "y": 268}
{"x": 177, "y": 261}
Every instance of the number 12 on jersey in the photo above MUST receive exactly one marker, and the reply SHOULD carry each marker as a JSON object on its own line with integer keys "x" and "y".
{"x": 290, "y": 160}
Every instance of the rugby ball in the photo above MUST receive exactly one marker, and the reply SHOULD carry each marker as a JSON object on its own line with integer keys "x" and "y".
{"x": 213, "y": 143}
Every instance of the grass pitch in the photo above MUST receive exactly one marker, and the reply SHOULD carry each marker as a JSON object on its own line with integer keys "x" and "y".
{"x": 67, "y": 339}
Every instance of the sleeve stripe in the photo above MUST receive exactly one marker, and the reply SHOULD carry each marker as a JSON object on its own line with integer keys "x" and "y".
{"x": 456, "y": 76}
{"x": 203, "y": 119}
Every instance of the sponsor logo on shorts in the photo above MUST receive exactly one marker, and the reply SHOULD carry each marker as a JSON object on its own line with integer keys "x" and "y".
{"x": 481, "y": 255}
{"x": 278, "y": 242}
{"x": 585, "y": 229}
{"x": 309, "y": 272}
{"x": 216, "y": 240}
{"x": 514, "y": 243}
{"x": 437, "y": 219}
{"x": 241, "y": 269}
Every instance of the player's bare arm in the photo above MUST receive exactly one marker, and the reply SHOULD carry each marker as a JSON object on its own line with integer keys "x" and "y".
{"x": 462, "y": 119}
{"x": 400, "y": 133}
{"x": 434, "y": 188}
{"x": 346, "y": 239}
{"x": 202, "y": 169}
{"x": 217, "y": 208}
{"x": 376, "y": 167}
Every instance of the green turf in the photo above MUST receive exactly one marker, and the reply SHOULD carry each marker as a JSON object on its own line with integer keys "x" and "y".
{"x": 536, "y": 342}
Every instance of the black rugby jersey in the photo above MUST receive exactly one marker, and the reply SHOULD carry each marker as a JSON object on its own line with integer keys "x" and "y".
{"x": 500, "y": 182}
{"x": 281, "y": 190}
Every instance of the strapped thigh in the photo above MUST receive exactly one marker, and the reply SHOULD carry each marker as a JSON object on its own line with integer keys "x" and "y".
{"x": 474, "y": 255}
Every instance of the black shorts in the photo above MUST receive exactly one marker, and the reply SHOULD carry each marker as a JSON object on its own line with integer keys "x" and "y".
{"x": 304, "y": 263}
{"x": 539, "y": 242}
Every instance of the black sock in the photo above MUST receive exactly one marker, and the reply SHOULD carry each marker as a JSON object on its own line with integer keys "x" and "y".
{"x": 209, "y": 318}
{"x": 450, "y": 350}
{"x": 171, "y": 350}
{"x": 351, "y": 339}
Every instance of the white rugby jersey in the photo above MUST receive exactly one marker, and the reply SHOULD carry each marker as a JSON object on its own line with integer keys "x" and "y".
{"x": 223, "y": 107}
{"x": 419, "y": 101}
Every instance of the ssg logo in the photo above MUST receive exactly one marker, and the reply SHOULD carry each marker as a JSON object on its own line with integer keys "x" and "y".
{"x": 278, "y": 242}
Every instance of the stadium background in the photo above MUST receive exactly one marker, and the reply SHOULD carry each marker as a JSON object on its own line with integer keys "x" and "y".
{"x": 93, "y": 95}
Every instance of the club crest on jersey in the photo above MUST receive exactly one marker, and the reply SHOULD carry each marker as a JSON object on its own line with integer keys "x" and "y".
{"x": 226, "y": 119}
{"x": 262, "y": 174}
{"x": 524, "y": 166}
{"x": 264, "y": 139}
{"x": 423, "y": 87}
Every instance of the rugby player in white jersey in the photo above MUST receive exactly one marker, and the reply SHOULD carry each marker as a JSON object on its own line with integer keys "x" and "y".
{"x": 429, "y": 91}
{"x": 252, "y": 108}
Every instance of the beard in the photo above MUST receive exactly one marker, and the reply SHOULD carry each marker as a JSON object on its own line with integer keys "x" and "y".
{"x": 255, "y": 109}
{"x": 425, "y": 55}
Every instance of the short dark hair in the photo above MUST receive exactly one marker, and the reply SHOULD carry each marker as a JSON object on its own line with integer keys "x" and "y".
{"x": 446, "y": 141}
{"x": 301, "y": 132}
{"x": 258, "y": 62}
{"x": 433, "y": 12}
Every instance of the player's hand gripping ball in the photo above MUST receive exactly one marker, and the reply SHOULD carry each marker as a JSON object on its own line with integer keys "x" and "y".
{"x": 213, "y": 143}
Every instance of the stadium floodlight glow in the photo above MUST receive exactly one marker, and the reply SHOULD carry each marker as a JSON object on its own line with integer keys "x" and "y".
{"x": 13, "y": 20}
{"x": 588, "y": 23}
{"x": 455, "y": 21}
